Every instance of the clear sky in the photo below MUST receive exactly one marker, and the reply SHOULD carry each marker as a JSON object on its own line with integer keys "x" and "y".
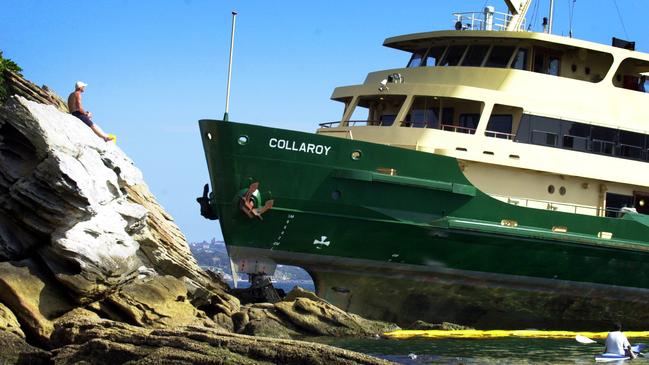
{"x": 155, "y": 67}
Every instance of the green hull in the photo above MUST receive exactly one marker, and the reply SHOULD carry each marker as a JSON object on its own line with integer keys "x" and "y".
{"x": 401, "y": 235}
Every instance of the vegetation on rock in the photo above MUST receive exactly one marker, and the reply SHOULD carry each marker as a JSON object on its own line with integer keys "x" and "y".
{"x": 6, "y": 65}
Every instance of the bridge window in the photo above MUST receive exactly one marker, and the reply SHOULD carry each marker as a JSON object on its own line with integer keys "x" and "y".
{"x": 603, "y": 140}
{"x": 417, "y": 58}
{"x": 502, "y": 121}
{"x": 520, "y": 59}
{"x": 546, "y": 61}
{"x": 631, "y": 145}
{"x": 434, "y": 55}
{"x": 500, "y": 56}
{"x": 440, "y": 113}
{"x": 453, "y": 55}
{"x": 475, "y": 55}
{"x": 575, "y": 135}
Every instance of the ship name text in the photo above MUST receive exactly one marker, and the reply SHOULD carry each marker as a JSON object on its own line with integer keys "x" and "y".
{"x": 284, "y": 144}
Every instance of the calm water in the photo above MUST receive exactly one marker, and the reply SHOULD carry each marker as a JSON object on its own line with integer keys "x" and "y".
{"x": 468, "y": 351}
{"x": 485, "y": 351}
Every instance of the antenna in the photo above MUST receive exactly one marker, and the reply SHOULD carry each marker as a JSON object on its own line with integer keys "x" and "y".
{"x": 227, "y": 93}
{"x": 551, "y": 17}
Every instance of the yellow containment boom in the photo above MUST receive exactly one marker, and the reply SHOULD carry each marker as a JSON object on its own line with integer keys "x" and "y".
{"x": 439, "y": 334}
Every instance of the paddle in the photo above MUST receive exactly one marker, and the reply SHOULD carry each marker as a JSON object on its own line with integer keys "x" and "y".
{"x": 586, "y": 340}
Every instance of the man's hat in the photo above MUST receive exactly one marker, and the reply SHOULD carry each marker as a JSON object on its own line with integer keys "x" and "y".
{"x": 80, "y": 84}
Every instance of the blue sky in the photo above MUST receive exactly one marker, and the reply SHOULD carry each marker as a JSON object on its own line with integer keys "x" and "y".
{"x": 154, "y": 68}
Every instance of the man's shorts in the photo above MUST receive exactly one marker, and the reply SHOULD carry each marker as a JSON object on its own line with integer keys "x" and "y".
{"x": 84, "y": 118}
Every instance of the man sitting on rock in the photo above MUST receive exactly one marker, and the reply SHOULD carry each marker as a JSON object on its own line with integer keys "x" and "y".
{"x": 76, "y": 109}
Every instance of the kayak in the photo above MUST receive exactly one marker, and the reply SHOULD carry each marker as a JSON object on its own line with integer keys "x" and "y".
{"x": 608, "y": 357}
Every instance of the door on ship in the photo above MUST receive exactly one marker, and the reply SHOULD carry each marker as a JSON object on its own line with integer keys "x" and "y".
{"x": 615, "y": 202}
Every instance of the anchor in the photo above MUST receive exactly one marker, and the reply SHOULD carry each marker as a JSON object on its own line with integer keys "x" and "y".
{"x": 250, "y": 202}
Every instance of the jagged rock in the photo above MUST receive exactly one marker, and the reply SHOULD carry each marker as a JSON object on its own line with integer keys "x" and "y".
{"x": 107, "y": 342}
{"x": 16, "y": 351}
{"x": 303, "y": 313}
{"x": 157, "y": 302}
{"x": 9, "y": 322}
{"x": 447, "y": 326}
{"x": 83, "y": 207}
{"x": 33, "y": 297}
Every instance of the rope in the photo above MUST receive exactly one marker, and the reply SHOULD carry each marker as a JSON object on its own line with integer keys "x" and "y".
{"x": 621, "y": 20}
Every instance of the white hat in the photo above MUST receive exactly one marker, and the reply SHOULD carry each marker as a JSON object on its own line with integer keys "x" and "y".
{"x": 80, "y": 84}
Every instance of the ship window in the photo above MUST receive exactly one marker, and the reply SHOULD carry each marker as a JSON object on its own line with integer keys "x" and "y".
{"x": 377, "y": 110}
{"x": 520, "y": 60}
{"x": 469, "y": 122}
{"x": 632, "y": 75}
{"x": 423, "y": 113}
{"x": 603, "y": 140}
{"x": 417, "y": 58}
{"x": 475, "y": 55}
{"x": 615, "y": 202}
{"x": 499, "y": 126}
{"x": 500, "y": 56}
{"x": 575, "y": 135}
{"x": 434, "y": 56}
{"x": 453, "y": 55}
{"x": 631, "y": 145}
{"x": 546, "y": 61}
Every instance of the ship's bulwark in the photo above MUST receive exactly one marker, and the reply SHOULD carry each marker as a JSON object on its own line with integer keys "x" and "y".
{"x": 401, "y": 235}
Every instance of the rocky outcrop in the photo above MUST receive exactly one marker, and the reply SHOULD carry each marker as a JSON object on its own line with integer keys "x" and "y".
{"x": 108, "y": 342}
{"x": 92, "y": 268}
{"x": 303, "y": 313}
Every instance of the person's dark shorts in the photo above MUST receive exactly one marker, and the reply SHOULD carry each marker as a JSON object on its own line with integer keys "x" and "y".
{"x": 84, "y": 118}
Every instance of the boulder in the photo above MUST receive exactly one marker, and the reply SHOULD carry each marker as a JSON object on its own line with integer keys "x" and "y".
{"x": 9, "y": 322}
{"x": 302, "y": 313}
{"x": 107, "y": 342}
{"x": 15, "y": 350}
{"x": 157, "y": 302}
{"x": 33, "y": 297}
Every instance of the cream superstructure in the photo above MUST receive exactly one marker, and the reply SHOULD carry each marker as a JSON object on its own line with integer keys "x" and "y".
{"x": 535, "y": 119}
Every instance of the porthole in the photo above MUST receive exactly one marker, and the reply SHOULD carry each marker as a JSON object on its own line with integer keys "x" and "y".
{"x": 562, "y": 190}
{"x": 573, "y": 68}
{"x": 356, "y": 155}
{"x": 335, "y": 195}
{"x": 242, "y": 140}
{"x": 551, "y": 189}
{"x": 587, "y": 70}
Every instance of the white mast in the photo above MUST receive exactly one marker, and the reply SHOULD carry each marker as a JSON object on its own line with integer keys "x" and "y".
{"x": 551, "y": 16}
{"x": 227, "y": 93}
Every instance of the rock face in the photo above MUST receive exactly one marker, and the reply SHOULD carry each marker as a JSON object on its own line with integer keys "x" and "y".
{"x": 92, "y": 269}
{"x": 78, "y": 226}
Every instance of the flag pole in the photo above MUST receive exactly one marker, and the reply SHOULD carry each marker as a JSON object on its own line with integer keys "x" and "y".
{"x": 227, "y": 94}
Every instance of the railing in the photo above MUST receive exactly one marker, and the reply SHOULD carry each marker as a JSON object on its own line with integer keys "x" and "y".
{"x": 457, "y": 129}
{"x": 351, "y": 123}
{"x": 483, "y": 21}
{"x": 500, "y": 135}
{"x": 554, "y": 206}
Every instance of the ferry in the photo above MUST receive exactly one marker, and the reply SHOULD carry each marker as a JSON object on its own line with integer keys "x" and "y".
{"x": 498, "y": 179}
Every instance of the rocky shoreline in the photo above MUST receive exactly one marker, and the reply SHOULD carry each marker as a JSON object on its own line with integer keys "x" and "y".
{"x": 94, "y": 270}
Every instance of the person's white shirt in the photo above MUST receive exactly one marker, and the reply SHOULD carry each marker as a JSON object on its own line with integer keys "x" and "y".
{"x": 616, "y": 342}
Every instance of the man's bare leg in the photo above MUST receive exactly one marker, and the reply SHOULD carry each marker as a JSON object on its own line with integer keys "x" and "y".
{"x": 100, "y": 133}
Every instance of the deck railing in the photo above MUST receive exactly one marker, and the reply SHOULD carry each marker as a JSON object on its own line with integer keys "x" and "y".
{"x": 483, "y": 21}
{"x": 561, "y": 207}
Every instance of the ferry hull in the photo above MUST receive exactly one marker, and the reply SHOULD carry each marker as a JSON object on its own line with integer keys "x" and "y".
{"x": 401, "y": 235}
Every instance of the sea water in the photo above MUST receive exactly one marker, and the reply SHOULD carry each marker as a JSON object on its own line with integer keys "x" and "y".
{"x": 466, "y": 351}
{"x": 477, "y": 351}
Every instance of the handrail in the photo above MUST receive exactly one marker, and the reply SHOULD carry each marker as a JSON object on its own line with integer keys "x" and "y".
{"x": 457, "y": 129}
{"x": 499, "y": 135}
{"x": 474, "y": 20}
{"x": 552, "y": 205}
